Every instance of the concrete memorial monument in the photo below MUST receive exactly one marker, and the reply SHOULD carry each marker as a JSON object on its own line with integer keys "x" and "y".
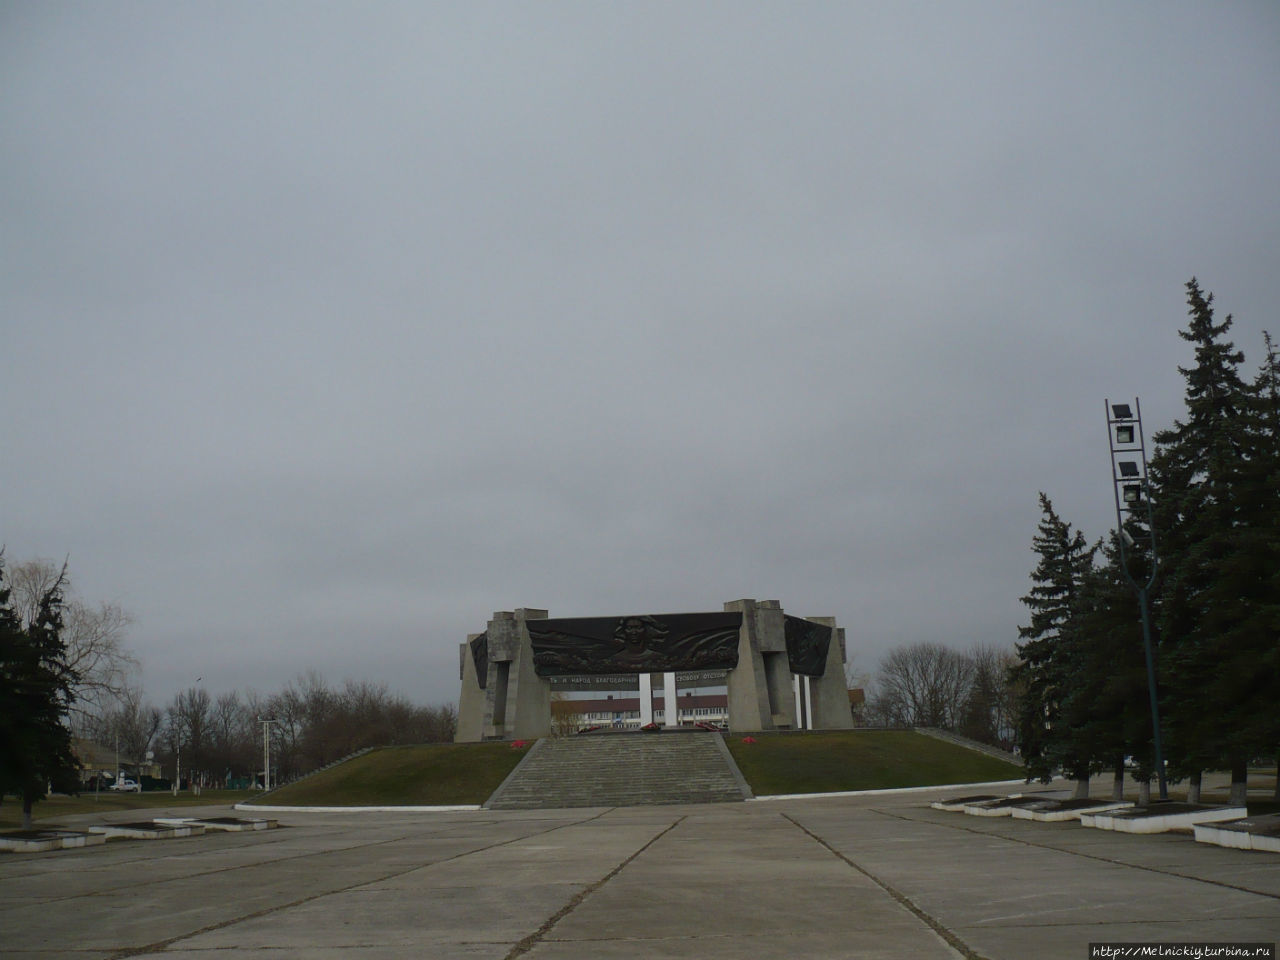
{"x": 781, "y": 672}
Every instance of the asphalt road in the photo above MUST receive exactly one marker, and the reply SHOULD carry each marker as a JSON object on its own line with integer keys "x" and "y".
{"x": 875, "y": 876}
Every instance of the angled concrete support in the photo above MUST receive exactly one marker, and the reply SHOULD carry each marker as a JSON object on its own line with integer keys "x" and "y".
{"x": 514, "y": 702}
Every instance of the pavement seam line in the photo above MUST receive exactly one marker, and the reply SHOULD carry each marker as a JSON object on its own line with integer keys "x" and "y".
{"x": 160, "y": 945}
{"x": 263, "y": 863}
{"x": 951, "y": 939}
{"x": 1088, "y": 856}
{"x": 532, "y": 940}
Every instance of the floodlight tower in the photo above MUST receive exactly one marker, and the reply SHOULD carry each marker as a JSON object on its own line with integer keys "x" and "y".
{"x": 1133, "y": 497}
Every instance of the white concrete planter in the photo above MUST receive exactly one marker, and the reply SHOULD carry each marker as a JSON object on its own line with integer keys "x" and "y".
{"x": 160, "y": 831}
{"x": 52, "y": 840}
{"x": 1238, "y": 835}
{"x": 229, "y": 824}
{"x": 1138, "y": 822}
{"x": 1050, "y": 815}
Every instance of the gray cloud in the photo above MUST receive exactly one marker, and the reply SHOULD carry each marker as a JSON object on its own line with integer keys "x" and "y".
{"x": 327, "y": 331}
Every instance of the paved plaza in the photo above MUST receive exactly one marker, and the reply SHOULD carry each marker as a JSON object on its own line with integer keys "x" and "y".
{"x": 870, "y": 876}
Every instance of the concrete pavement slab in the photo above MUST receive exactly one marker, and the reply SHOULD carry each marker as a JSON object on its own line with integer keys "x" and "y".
{"x": 840, "y": 877}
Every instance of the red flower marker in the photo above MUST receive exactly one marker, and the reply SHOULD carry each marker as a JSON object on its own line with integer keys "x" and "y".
{"x": 748, "y": 739}
{"x": 518, "y": 744}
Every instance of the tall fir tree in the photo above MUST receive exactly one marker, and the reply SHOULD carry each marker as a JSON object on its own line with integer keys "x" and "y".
{"x": 1047, "y": 657}
{"x": 1262, "y": 504}
{"x": 1206, "y": 501}
{"x": 1107, "y": 705}
{"x": 35, "y": 695}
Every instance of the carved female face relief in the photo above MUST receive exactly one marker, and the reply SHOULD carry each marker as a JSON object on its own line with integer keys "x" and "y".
{"x": 634, "y": 633}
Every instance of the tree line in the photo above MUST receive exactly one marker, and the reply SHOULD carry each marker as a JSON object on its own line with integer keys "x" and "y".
{"x": 1213, "y": 492}
{"x": 67, "y": 676}
{"x": 968, "y": 692}
{"x": 218, "y": 740}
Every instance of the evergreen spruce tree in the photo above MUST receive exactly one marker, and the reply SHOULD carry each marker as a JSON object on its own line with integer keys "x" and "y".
{"x": 35, "y": 694}
{"x": 1214, "y": 582}
{"x": 1047, "y": 666}
{"x": 1107, "y": 707}
{"x": 1262, "y": 505}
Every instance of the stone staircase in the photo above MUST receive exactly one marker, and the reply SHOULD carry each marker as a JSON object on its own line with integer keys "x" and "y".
{"x": 616, "y": 770}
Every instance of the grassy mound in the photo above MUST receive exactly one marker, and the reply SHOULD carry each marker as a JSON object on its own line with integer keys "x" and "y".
{"x": 423, "y": 775}
{"x": 859, "y": 760}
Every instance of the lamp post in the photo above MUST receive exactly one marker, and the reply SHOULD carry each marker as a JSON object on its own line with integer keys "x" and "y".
{"x": 266, "y": 750}
{"x": 1133, "y": 497}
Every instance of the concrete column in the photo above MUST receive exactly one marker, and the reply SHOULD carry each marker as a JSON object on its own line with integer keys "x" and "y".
{"x": 829, "y": 693}
{"x": 517, "y": 700}
{"x": 672, "y": 706}
{"x": 471, "y": 701}
{"x": 530, "y": 709}
{"x": 749, "y": 709}
{"x": 646, "y": 698}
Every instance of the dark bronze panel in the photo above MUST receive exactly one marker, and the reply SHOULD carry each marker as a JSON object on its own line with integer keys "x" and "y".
{"x": 807, "y": 645}
{"x": 651, "y": 643}
{"x": 480, "y": 656}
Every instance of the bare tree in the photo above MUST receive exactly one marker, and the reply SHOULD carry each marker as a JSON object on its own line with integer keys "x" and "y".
{"x": 925, "y": 684}
{"x": 988, "y": 710}
{"x": 132, "y": 725}
{"x": 187, "y": 728}
{"x": 233, "y": 748}
{"x": 94, "y": 638}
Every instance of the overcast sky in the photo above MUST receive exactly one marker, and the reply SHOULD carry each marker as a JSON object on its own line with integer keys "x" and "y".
{"x": 328, "y": 329}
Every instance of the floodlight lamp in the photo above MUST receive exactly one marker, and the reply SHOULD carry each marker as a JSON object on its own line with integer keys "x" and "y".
{"x": 1128, "y": 468}
{"x": 1121, "y": 411}
{"x": 1132, "y": 492}
{"x": 1124, "y": 434}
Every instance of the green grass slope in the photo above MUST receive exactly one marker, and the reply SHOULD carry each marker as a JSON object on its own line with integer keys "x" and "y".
{"x": 467, "y": 773}
{"x": 859, "y": 760}
{"x": 423, "y": 775}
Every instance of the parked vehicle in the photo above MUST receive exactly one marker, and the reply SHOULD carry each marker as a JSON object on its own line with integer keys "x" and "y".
{"x": 126, "y": 785}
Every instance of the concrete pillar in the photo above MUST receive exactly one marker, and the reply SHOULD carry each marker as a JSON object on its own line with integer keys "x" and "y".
{"x": 646, "y": 698}
{"x": 672, "y": 706}
{"x": 517, "y": 700}
{"x": 804, "y": 702}
{"x": 760, "y": 685}
{"x": 829, "y": 693}
{"x": 471, "y": 701}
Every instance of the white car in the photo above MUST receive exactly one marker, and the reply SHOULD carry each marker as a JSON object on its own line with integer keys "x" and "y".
{"x": 125, "y": 785}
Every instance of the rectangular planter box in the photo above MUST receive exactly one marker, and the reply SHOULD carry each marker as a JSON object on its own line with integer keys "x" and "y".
{"x": 230, "y": 824}
{"x": 1002, "y": 807}
{"x": 50, "y": 840}
{"x": 1139, "y": 820}
{"x": 1249, "y": 833}
{"x": 957, "y": 804}
{"x": 149, "y": 830}
{"x": 1053, "y": 814}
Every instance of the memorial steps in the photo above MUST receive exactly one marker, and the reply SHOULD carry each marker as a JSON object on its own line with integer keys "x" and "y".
{"x": 616, "y": 770}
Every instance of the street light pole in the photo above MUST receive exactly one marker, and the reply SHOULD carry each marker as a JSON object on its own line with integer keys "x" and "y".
{"x": 1133, "y": 495}
{"x": 266, "y": 750}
